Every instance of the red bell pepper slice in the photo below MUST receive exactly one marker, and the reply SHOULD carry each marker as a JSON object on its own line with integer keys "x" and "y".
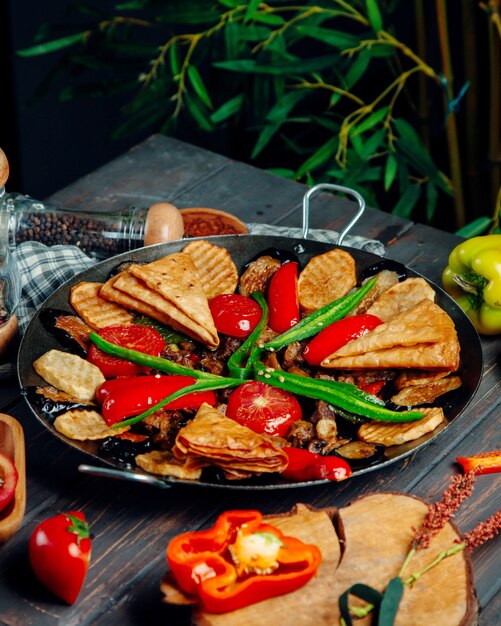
{"x": 483, "y": 463}
{"x": 305, "y": 465}
{"x": 338, "y": 334}
{"x": 372, "y": 388}
{"x": 283, "y": 298}
{"x": 126, "y": 397}
{"x": 212, "y": 564}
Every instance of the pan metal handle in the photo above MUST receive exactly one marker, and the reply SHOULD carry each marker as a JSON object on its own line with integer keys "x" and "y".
{"x": 107, "y": 472}
{"x": 331, "y": 187}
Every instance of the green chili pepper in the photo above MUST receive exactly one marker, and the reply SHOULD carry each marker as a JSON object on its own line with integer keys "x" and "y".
{"x": 155, "y": 362}
{"x": 342, "y": 395}
{"x": 203, "y": 385}
{"x": 317, "y": 321}
{"x": 240, "y": 355}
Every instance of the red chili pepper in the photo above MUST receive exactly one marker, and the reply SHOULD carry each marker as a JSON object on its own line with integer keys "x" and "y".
{"x": 337, "y": 334}
{"x": 305, "y": 465}
{"x": 283, "y": 298}
{"x": 125, "y": 397}
{"x": 483, "y": 463}
{"x": 373, "y": 388}
{"x": 240, "y": 561}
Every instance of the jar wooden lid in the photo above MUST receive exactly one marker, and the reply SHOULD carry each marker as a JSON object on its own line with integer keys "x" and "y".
{"x": 203, "y": 222}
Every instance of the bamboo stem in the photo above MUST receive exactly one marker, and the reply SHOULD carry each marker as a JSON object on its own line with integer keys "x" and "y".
{"x": 423, "y": 108}
{"x": 452, "y": 134}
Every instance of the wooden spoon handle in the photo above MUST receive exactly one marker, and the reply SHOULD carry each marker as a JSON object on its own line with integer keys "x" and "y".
{"x": 4, "y": 168}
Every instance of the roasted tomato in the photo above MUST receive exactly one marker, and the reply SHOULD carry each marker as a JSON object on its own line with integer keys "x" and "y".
{"x": 135, "y": 337}
{"x": 235, "y": 315}
{"x": 263, "y": 408}
{"x": 283, "y": 298}
{"x": 59, "y": 552}
{"x": 8, "y": 481}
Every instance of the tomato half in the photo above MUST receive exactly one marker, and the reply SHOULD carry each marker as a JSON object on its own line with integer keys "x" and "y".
{"x": 133, "y": 336}
{"x": 263, "y": 408}
{"x": 235, "y": 315}
{"x": 59, "y": 552}
{"x": 8, "y": 481}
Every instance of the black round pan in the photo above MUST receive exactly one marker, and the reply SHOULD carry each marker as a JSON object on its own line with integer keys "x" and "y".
{"x": 242, "y": 248}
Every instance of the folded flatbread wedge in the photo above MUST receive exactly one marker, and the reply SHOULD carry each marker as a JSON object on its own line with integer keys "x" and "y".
{"x": 400, "y": 297}
{"x": 423, "y": 337}
{"x": 222, "y": 442}
{"x": 175, "y": 278}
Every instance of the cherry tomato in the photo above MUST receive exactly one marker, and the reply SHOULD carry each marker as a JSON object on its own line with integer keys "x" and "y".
{"x": 136, "y": 337}
{"x": 59, "y": 552}
{"x": 283, "y": 298}
{"x": 263, "y": 408}
{"x": 338, "y": 334}
{"x": 235, "y": 315}
{"x": 8, "y": 481}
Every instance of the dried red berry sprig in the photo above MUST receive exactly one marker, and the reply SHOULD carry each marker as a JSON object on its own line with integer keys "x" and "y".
{"x": 483, "y": 531}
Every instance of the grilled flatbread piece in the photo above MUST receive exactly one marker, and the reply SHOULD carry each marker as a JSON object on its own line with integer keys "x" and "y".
{"x": 408, "y": 378}
{"x": 95, "y": 310}
{"x": 85, "y": 425}
{"x": 215, "y": 266}
{"x": 392, "y": 434}
{"x": 384, "y": 280}
{"x": 423, "y": 337}
{"x": 415, "y": 395}
{"x": 326, "y": 278}
{"x": 401, "y": 297}
{"x": 163, "y": 463}
{"x": 220, "y": 441}
{"x": 176, "y": 279}
{"x": 69, "y": 373}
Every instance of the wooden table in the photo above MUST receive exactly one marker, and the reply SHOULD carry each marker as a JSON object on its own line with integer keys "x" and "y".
{"x": 132, "y": 524}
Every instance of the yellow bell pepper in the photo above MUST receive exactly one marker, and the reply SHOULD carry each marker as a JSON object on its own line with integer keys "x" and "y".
{"x": 473, "y": 279}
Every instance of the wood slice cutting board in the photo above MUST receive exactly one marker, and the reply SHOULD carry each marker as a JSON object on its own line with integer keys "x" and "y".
{"x": 365, "y": 542}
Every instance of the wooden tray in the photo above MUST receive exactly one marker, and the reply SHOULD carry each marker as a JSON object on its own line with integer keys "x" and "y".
{"x": 12, "y": 445}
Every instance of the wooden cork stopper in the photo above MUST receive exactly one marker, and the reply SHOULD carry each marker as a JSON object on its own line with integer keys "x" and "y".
{"x": 4, "y": 168}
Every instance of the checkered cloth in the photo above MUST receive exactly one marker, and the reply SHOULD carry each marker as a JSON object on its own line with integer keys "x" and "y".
{"x": 43, "y": 269}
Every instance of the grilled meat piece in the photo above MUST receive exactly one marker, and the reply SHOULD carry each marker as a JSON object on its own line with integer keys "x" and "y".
{"x": 301, "y": 433}
{"x": 258, "y": 275}
{"x": 293, "y": 355}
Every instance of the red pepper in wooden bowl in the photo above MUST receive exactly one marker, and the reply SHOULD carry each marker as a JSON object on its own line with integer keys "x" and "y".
{"x": 240, "y": 561}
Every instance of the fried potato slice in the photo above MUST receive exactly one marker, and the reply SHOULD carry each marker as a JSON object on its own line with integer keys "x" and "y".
{"x": 175, "y": 278}
{"x": 85, "y": 425}
{"x": 95, "y": 310}
{"x": 415, "y": 395}
{"x": 69, "y": 373}
{"x": 325, "y": 278}
{"x": 392, "y": 434}
{"x": 215, "y": 266}
{"x": 423, "y": 337}
{"x": 400, "y": 297}
{"x": 218, "y": 440}
{"x": 408, "y": 378}
{"x": 164, "y": 463}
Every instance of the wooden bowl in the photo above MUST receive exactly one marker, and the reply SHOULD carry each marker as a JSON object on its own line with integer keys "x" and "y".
{"x": 203, "y": 222}
{"x": 12, "y": 445}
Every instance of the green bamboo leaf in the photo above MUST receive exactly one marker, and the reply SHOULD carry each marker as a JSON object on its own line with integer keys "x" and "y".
{"x": 390, "y": 602}
{"x": 369, "y": 122}
{"x": 253, "y": 32}
{"x": 358, "y": 68}
{"x": 336, "y": 38}
{"x": 231, "y": 4}
{"x": 265, "y": 136}
{"x": 232, "y": 40}
{"x": 373, "y": 143}
{"x": 319, "y": 157}
{"x": 199, "y": 86}
{"x": 280, "y": 171}
{"x": 410, "y": 145}
{"x": 284, "y": 105}
{"x": 374, "y": 15}
{"x": 390, "y": 171}
{"x": 431, "y": 200}
{"x": 383, "y": 51}
{"x": 268, "y": 18}
{"x": 408, "y": 201}
{"x": 175, "y": 61}
{"x": 252, "y": 7}
{"x": 228, "y": 109}
{"x": 192, "y": 17}
{"x": 475, "y": 228}
{"x": 299, "y": 66}
{"x": 198, "y": 113}
{"x": 52, "y": 46}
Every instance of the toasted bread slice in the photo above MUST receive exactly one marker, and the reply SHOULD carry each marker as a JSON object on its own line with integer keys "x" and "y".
{"x": 95, "y": 310}
{"x": 69, "y": 373}
{"x": 392, "y": 434}
{"x": 326, "y": 278}
{"x": 215, "y": 267}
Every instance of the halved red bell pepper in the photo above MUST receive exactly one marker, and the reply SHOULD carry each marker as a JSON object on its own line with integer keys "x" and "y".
{"x": 305, "y": 465}
{"x": 283, "y": 298}
{"x": 337, "y": 334}
{"x": 240, "y": 561}
{"x": 483, "y": 463}
{"x": 129, "y": 396}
